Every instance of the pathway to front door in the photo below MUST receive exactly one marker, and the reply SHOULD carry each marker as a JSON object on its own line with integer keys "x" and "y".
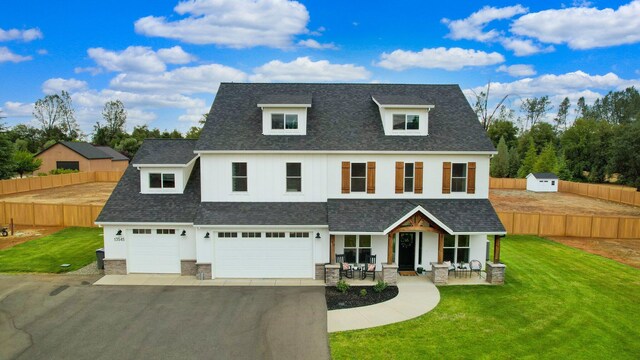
{"x": 407, "y": 251}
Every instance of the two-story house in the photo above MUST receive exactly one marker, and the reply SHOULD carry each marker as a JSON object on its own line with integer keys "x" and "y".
{"x": 285, "y": 176}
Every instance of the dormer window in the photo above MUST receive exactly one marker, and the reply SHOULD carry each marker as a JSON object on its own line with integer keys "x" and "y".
{"x": 406, "y": 122}
{"x": 162, "y": 181}
{"x": 285, "y": 114}
{"x": 284, "y": 121}
{"x": 403, "y": 114}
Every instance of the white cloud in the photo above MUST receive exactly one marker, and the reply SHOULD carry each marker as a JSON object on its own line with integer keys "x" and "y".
{"x": 232, "y": 23}
{"x": 139, "y": 58}
{"x": 17, "y": 109}
{"x": 582, "y": 27}
{"x": 184, "y": 80}
{"x": 56, "y": 85}
{"x": 313, "y": 44}
{"x": 93, "y": 70}
{"x": 303, "y": 69}
{"x": 438, "y": 58}
{"x": 524, "y": 47}
{"x": 517, "y": 70}
{"x": 193, "y": 115}
{"x": 471, "y": 28}
{"x": 43, "y": 52}
{"x": 21, "y": 35}
{"x": 6, "y": 55}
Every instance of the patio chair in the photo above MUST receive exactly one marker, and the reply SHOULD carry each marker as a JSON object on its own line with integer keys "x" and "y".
{"x": 452, "y": 267}
{"x": 476, "y": 266}
{"x": 369, "y": 267}
{"x": 346, "y": 270}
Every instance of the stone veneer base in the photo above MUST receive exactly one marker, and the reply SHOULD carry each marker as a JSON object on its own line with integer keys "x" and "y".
{"x": 319, "y": 272}
{"x": 205, "y": 269}
{"x": 390, "y": 273}
{"x": 495, "y": 273}
{"x": 115, "y": 267}
{"x": 333, "y": 274}
{"x": 188, "y": 267}
{"x": 439, "y": 273}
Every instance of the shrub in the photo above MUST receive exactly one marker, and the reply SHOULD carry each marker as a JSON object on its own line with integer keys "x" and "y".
{"x": 62, "y": 171}
{"x": 363, "y": 292}
{"x": 342, "y": 286}
{"x": 380, "y": 286}
{"x": 42, "y": 174}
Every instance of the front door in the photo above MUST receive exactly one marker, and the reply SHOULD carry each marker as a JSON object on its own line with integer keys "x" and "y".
{"x": 407, "y": 252}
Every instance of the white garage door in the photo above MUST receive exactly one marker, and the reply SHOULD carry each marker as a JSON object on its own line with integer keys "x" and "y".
{"x": 154, "y": 253}
{"x": 263, "y": 258}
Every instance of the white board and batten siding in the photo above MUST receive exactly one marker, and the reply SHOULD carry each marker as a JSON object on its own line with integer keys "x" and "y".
{"x": 541, "y": 185}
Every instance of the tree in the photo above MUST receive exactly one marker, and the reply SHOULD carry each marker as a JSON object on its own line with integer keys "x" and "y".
{"x": 541, "y": 134}
{"x": 529, "y": 161}
{"x": 25, "y": 162}
{"x": 563, "y": 172}
{"x": 585, "y": 145}
{"x": 625, "y": 153}
{"x": 56, "y": 117}
{"x": 195, "y": 131}
{"x": 535, "y": 109}
{"x": 561, "y": 118}
{"x": 581, "y": 108}
{"x": 129, "y": 146}
{"x": 115, "y": 117}
{"x": 503, "y": 129}
{"x": 500, "y": 162}
{"x": 481, "y": 107}
{"x": 547, "y": 161}
{"x": 6, "y": 154}
{"x": 617, "y": 107}
{"x": 514, "y": 162}
{"x": 30, "y": 135}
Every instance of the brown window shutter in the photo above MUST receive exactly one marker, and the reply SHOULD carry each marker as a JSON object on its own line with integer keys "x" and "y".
{"x": 346, "y": 177}
{"x": 418, "y": 178}
{"x": 446, "y": 178}
{"x": 371, "y": 177}
{"x": 399, "y": 177}
{"x": 471, "y": 178}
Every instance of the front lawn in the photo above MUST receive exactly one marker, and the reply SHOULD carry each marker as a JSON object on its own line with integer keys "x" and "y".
{"x": 558, "y": 303}
{"x": 75, "y": 246}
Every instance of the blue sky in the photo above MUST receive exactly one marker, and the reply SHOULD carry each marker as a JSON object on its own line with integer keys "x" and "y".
{"x": 165, "y": 58}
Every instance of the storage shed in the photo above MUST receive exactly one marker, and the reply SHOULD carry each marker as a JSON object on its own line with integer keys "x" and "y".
{"x": 542, "y": 182}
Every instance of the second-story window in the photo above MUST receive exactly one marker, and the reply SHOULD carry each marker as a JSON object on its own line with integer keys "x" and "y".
{"x": 459, "y": 177}
{"x": 406, "y": 122}
{"x": 358, "y": 177}
{"x": 239, "y": 176}
{"x": 284, "y": 121}
{"x": 294, "y": 177}
{"x": 408, "y": 177}
{"x": 162, "y": 181}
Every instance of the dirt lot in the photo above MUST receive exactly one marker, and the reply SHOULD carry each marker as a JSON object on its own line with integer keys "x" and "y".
{"x": 95, "y": 193}
{"x": 626, "y": 251}
{"x": 557, "y": 203}
{"x": 22, "y": 234}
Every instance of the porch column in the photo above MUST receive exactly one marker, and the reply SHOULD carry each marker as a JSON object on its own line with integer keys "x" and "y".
{"x": 332, "y": 249}
{"x": 390, "y": 248}
{"x": 440, "y": 248}
{"x": 496, "y": 249}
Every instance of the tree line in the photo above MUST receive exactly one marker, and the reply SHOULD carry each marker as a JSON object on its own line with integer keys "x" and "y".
{"x": 601, "y": 144}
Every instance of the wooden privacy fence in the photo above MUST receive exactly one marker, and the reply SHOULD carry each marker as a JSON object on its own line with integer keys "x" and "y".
{"x": 53, "y": 181}
{"x": 585, "y": 226}
{"x": 506, "y": 183}
{"x": 32, "y": 214}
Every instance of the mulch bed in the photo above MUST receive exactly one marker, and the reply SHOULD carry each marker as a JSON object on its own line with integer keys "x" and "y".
{"x": 352, "y": 298}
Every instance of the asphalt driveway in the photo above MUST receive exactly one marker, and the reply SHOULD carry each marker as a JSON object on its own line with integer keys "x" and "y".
{"x": 64, "y": 317}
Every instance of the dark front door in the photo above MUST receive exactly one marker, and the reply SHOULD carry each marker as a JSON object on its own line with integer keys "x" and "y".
{"x": 407, "y": 252}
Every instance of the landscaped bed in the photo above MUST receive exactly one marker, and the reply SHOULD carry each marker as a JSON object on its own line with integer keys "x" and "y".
{"x": 74, "y": 246}
{"x": 557, "y": 303}
{"x": 353, "y": 298}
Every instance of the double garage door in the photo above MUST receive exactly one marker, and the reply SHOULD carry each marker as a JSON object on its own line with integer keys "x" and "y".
{"x": 154, "y": 253}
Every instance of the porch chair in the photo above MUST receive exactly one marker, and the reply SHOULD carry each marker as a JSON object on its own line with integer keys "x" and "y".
{"x": 451, "y": 265}
{"x": 345, "y": 269}
{"x": 369, "y": 267}
{"x": 476, "y": 266}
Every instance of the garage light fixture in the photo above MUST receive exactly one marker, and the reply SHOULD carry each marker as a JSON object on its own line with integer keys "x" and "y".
{"x": 206, "y": 236}
{"x": 317, "y": 235}
{"x": 119, "y": 233}
{"x": 184, "y": 233}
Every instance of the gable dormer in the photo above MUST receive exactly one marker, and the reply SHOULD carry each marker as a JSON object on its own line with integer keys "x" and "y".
{"x": 165, "y": 165}
{"x": 285, "y": 114}
{"x": 403, "y": 115}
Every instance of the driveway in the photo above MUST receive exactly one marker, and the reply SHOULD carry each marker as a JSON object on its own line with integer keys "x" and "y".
{"x": 64, "y": 317}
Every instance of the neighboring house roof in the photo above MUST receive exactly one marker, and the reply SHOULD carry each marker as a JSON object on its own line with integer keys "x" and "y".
{"x": 286, "y": 99}
{"x": 545, "y": 176}
{"x": 165, "y": 151}
{"x": 127, "y": 204}
{"x": 383, "y": 99}
{"x": 115, "y": 156}
{"x": 83, "y": 149}
{"x": 343, "y": 117}
{"x": 263, "y": 213}
{"x": 376, "y": 215}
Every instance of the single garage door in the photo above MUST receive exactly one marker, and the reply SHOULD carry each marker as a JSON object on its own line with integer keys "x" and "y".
{"x": 263, "y": 257}
{"x": 154, "y": 253}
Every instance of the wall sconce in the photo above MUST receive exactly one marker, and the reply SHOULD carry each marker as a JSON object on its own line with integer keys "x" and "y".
{"x": 184, "y": 233}
{"x": 317, "y": 235}
{"x": 119, "y": 233}
{"x": 206, "y": 236}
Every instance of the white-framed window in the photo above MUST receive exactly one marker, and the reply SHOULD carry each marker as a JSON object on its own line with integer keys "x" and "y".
{"x": 358, "y": 177}
{"x": 298, "y": 234}
{"x": 251, "y": 234}
{"x": 294, "y": 177}
{"x": 409, "y": 176}
{"x": 162, "y": 180}
{"x": 280, "y": 121}
{"x": 274, "y": 234}
{"x": 406, "y": 122}
{"x": 239, "y": 176}
{"x": 357, "y": 248}
{"x": 456, "y": 248}
{"x": 165, "y": 231}
{"x": 459, "y": 177}
{"x": 227, "y": 234}
{"x": 142, "y": 231}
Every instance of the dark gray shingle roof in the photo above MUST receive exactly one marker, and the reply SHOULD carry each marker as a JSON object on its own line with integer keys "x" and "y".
{"x": 342, "y": 117}
{"x": 116, "y": 156}
{"x": 127, "y": 204}
{"x": 282, "y": 99}
{"x": 376, "y": 215}
{"x": 549, "y": 176}
{"x": 86, "y": 150}
{"x": 165, "y": 151}
{"x": 383, "y": 99}
{"x": 262, "y": 213}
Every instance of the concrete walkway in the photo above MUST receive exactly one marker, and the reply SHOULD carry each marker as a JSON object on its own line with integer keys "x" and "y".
{"x": 177, "y": 280}
{"x": 416, "y": 296}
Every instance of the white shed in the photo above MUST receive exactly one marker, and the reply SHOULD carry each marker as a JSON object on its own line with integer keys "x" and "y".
{"x": 542, "y": 182}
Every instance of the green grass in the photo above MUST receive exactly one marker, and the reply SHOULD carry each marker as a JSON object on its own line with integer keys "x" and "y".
{"x": 75, "y": 246}
{"x": 557, "y": 303}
